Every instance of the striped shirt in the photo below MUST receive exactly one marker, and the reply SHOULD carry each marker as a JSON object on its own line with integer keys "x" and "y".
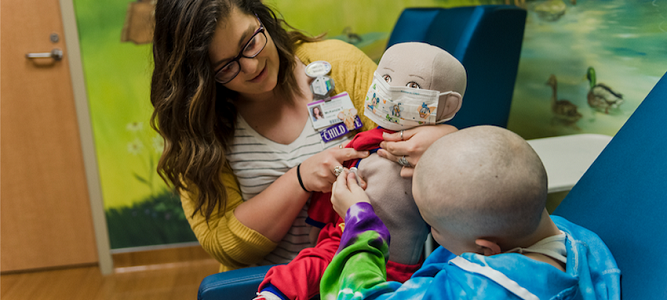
{"x": 257, "y": 162}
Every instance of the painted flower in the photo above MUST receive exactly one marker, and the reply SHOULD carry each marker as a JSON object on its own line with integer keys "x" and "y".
{"x": 158, "y": 144}
{"x": 135, "y": 147}
{"x": 134, "y": 126}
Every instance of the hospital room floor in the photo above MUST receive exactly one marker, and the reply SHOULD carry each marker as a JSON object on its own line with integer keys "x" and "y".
{"x": 175, "y": 280}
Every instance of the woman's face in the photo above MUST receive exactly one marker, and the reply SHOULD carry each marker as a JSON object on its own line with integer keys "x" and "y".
{"x": 316, "y": 111}
{"x": 257, "y": 75}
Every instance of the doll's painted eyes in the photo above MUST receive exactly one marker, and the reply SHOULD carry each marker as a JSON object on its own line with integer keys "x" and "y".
{"x": 410, "y": 84}
{"x": 413, "y": 85}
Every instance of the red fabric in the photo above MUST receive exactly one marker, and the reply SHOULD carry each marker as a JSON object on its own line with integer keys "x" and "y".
{"x": 400, "y": 272}
{"x": 300, "y": 279}
{"x": 368, "y": 140}
{"x": 320, "y": 209}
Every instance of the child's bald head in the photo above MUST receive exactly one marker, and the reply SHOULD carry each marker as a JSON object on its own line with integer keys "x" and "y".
{"x": 482, "y": 181}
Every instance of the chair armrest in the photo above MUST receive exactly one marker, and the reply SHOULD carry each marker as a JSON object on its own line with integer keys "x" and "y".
{"x": 566, "y": 158}
{"x": 236, "y": 284}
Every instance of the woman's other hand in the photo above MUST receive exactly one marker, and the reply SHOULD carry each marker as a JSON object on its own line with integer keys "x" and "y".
{"x": 318, "y": 171}
{"x": 411, "y": 144}
{"x": 346, "y": 192}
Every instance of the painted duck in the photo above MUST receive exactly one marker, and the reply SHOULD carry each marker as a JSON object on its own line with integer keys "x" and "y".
{"x": 352, "y": 37}
{"x": 600, "y": 96}
{"x": 564, "y": 111}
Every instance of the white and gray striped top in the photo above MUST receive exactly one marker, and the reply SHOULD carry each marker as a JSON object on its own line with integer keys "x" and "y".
{"x": 257, "y": 162}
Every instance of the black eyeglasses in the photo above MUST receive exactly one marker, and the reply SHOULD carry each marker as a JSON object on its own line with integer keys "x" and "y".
{"x": 251, "y": 49}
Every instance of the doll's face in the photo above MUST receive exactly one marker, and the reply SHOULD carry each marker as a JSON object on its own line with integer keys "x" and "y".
{"x": 412, "y": 83}
{"x": 399, "y": 73}
{"x": 422, "y": 66}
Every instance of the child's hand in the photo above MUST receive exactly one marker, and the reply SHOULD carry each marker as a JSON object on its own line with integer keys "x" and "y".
{"x": 346, "y": 192}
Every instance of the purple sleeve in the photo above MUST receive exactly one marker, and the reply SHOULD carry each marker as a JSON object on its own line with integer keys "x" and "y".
{"x": 358, "y": 270}
{"x": 361, "y": 217}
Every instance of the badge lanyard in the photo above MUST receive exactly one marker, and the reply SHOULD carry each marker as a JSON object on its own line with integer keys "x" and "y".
{"x": 332, "y": 116}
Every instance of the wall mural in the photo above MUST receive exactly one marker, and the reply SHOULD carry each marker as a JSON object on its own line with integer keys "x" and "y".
{"x": 365, "y": 24}
{"x": 114, "y": 39}
{"x": 585, "y": 67}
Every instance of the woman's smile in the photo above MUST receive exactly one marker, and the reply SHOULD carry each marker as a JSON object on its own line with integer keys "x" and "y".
{"x": 260, "y": 76}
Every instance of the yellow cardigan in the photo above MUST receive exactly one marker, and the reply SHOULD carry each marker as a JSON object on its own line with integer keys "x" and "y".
{"x": 233, "y": 244}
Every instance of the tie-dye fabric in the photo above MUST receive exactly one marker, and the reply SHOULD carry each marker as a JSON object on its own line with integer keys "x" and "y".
{"x": 358, "y": 269}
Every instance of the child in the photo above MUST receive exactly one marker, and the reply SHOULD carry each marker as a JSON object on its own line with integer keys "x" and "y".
{"x": 415, "y": 84}
{"x": 483, "y": 190}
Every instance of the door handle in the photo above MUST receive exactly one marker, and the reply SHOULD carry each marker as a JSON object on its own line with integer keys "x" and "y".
{"x": 56, "y": 54}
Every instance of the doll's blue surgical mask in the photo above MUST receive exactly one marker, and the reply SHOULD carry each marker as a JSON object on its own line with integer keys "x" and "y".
{"x": 400, "y": 107}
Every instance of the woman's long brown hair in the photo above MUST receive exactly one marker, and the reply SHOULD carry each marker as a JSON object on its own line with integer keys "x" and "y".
{"x": 195, "y": 115}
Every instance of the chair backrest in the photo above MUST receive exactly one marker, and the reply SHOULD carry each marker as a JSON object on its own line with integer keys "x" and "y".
{"x": 486, "y": 39}
{"x": 622, "y": 198}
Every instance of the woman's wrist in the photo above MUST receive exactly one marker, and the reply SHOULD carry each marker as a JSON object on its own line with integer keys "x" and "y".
{"x": 298, "y": 176}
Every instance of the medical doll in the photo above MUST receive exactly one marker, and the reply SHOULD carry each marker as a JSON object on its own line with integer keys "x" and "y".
{"x": 415, "y": 84}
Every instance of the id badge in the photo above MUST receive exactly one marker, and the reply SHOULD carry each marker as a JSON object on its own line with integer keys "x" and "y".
{"x": 335, "y": 117}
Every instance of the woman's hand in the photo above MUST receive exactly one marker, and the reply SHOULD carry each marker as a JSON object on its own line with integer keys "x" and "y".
{"x": 346, "y": 192}
{"x": 412, "y": 144}
{"x": 317, "y": 172}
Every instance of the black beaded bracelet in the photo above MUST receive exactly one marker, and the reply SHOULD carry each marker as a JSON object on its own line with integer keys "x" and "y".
{"x": 298, "y": 176}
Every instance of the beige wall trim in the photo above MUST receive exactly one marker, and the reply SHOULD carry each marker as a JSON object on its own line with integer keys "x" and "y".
{"x": 86, "y": 135}
{"x": 155, "y": 247}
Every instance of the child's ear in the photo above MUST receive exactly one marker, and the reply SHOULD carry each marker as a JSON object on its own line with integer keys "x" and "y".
{"x": 486, "y": 247}
{"x": 452, "y": 104}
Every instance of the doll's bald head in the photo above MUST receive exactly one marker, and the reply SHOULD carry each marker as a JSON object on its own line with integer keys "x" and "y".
{"x": 482, "y": 181}
{"x": 428, "y": 66}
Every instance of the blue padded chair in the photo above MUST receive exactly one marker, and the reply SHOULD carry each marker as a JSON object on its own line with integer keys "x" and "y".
{"x": 237, "y": 284}
{"x": 486, "y": 39}
{"x": 621, "y": 197}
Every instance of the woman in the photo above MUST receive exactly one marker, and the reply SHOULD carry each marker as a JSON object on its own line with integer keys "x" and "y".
{"x": 317, "y": 113}
{"x": 230, "y": 95}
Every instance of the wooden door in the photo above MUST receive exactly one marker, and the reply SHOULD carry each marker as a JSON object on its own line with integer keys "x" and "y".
{"x": 45, "y": 212}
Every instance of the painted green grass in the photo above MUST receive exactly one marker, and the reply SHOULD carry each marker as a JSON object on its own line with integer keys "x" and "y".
{"x": 154, "y": 221}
